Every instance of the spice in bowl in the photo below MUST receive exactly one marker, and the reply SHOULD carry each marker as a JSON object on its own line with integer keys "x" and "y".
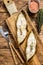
{"x": 33, "y": 6}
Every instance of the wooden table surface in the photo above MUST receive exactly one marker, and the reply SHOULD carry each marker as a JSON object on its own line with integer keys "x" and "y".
{"x": 5, "y": 54}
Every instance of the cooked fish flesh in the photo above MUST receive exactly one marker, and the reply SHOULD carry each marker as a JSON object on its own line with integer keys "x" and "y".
{"x": 31, "y": 46}
{"x": 21, "y": 28}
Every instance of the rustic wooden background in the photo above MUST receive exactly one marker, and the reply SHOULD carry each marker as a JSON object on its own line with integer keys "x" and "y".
{"x": 5, "y": 54}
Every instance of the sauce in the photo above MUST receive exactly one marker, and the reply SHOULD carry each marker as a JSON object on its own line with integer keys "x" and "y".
{"x": 34, "y": 6}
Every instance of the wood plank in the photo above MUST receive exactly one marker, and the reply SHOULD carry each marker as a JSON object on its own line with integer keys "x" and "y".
{"x": 41, "y": 4}
{"x": 3, "y": 17}
{"x": 6, "y": 57}
{"x": 3, "y": 43}
{"x": 2, "y": 8}
{"x": 19, "y": 5}
{"x": 40, "y": 52}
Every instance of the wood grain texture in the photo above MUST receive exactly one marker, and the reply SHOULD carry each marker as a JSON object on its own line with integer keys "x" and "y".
{"x": 5, "y": 57}
{"x": 19, "y": 4}
{"x": 5, "y": 54}
{"x": 39, "y": 44}
{"x": 3, "y": 43}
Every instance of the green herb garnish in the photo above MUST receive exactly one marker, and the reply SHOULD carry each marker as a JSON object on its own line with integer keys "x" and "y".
{"x": 39, "y": 19}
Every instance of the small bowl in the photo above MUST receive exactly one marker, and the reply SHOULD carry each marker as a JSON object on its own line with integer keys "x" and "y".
{"x": 37, "y": 1}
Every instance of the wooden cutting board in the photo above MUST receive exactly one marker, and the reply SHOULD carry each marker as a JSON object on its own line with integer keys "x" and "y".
{"x": 11, "y": 24}
{"x": 6, "y": 55}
